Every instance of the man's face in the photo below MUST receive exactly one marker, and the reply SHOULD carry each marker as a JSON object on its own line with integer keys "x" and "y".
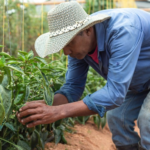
{"x": 81, "y": 44}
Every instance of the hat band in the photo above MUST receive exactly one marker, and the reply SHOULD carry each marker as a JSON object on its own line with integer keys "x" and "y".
{"x": 69, "y": 28}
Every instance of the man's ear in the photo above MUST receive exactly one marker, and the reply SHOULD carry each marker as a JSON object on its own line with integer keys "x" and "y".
{"x": 89, "y": 30}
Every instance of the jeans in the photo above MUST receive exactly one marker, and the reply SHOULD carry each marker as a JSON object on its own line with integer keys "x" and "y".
{"x": 136, "y": 106}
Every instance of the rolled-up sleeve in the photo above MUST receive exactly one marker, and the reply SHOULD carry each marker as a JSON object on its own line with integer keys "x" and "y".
{"x": 124, "y": 47}
{"x": 75, "y": 79}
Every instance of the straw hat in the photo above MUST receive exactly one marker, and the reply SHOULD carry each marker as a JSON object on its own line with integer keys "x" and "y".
{"x": 65, "y": 21}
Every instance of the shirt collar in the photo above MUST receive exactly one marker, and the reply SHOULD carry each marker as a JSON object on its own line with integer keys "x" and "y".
{"x": 100, "y": 35}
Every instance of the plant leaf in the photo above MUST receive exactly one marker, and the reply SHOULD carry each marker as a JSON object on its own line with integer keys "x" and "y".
{"x": 15, "y": 67}
{"x": 1, "y": 127}
{"x": 13, "y": 62}
{"x": 5, "y": 54}
{"x": 24, "y": 145}
{"x": 16, "y": 146}
{"x": 2, "y": 111}
{"x": 6, "y": 97}
{"x": 8, "y": 73}
{"x": 30, "y": 55}
{"x": 10, "y": 126}
{"x": 103, "y": 122}
{"x": 39, "y": 59}
{"x": 19, "y": 98}
{"x": 34, "y": 140}
{"x": 48, "y": 93}
{"x": 57, "y": 133}
{"x": 63, "y": 139}
{"x": 27, "y": 94}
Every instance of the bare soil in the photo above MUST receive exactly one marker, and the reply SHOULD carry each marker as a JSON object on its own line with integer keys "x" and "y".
{"x": 86, "y": 137}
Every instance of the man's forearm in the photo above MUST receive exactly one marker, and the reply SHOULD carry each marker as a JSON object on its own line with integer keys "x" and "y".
{"x": 59, "y": 99}
{"x": 74, "y": 109}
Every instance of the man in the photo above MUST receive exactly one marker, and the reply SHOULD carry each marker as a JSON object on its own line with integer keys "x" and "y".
{"x": 116, "y": 43}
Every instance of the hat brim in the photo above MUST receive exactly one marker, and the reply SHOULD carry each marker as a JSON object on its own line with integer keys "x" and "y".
{"x": 44, "y": 45}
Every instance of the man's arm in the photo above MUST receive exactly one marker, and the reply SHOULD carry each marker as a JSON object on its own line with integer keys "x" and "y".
{"x": 40, "y": 113}
{"x": 59, "y": 99}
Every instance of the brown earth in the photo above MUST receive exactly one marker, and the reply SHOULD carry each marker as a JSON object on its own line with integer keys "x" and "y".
{"x": 86, "y": 137}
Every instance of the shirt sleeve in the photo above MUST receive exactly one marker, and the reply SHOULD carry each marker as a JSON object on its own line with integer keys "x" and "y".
{"x": 75, "y": 79}
{"x": 124, "y": 47}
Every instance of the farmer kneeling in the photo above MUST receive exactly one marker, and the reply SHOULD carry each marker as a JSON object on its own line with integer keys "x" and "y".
{"x": 116, "y": 43}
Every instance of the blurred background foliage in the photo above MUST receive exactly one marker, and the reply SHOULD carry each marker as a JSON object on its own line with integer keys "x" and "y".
{"x": 20, "y": 26}
{"x": 92, "y": 6}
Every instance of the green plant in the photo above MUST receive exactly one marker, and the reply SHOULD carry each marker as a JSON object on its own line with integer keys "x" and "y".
{"x": 22, "y": 79}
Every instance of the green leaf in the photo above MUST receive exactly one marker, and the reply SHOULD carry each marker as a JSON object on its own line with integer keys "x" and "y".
{"x": 44, "y": 135}
{"x": 1, "y": 127}
{"x": 34, "y": 139}
{"x": 71, "y": 121}
{"x": 48, "y": 93}
{"x": 8, "y": 74}
{"x": 5, "y": 81}
{"x": 2, "y": 64}
{"x": 3, "y": 59}
{"x": 24, "y": 145}
{"x": 19, "y": 99}
{"x": 10, "y": 126}
{"x": 61, "y": 127}
{"x": 1, "y": 45}
{"x": 6, "y": 96}
{"x": 22, "y": 53}
{"x": 5, "y": 54}
{"x": 15, "y": 67}
{"x": 39, "y": 59}
{"x": 103, "y": 122}
{"x": 57, "y": 133}
{"x": 1, "y": 77}
{"x": 27, "y": 93}
{"x": 30, "y": 55}
{"x": 96, "y": 120}
{"x": 16, "y": 146}
{"x": 22, "y": 58}
{"x": 40, "y": 141}
{"x": 21, "y": 137}
{"x": 63, "y": 139}
{"x": 14, "y": 62}
{"x": 2, "y": 111}
{"x": 79, "y": 119}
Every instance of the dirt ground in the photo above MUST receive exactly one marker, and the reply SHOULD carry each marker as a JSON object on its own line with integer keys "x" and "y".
{"x": 87, "y": 137}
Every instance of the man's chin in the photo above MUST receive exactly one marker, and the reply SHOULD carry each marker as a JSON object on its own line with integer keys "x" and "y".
{"x": 78, "y": 57}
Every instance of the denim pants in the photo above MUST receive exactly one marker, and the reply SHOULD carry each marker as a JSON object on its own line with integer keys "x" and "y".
{"x": 136, "y": 106}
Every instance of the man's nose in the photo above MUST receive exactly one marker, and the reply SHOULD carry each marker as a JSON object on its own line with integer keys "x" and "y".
{"x": 67, "y": 51}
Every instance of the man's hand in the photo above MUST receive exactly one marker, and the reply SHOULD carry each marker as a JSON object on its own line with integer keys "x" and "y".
{"x": 37, "y": 112}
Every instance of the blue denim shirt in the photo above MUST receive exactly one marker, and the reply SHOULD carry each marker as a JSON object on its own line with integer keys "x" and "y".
{"x": 124, "y": 60}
